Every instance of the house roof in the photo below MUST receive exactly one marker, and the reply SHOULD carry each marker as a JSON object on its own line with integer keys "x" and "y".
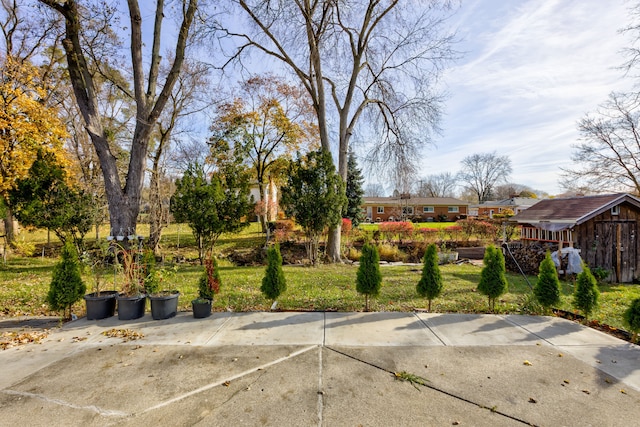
{"x": 427, "y": 201}
{"x": 512, "y": 201}
{"x": 572, "y": 210}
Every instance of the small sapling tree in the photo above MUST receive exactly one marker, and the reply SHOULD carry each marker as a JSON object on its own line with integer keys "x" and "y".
{"x": 632, "y": 318}
{"x": 369, "y": 279}
{"x": 430, "y": 284}
{"x": 209, "y": 282}
{"x": 273, "y": 282}
{"x": 66, "y": 286}
{"x": 547, "y": 289}
{"x": 493, "y": 281}
{"x": 586, "y": 294}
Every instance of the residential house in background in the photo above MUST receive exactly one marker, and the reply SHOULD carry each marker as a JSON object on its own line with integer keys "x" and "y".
{"x": 490, "y": 208}
{"x": 603, "y": 227}
{"x": 407, "y": 208}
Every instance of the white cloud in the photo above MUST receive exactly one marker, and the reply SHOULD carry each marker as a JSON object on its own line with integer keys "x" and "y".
{"x": 532, "y": 70}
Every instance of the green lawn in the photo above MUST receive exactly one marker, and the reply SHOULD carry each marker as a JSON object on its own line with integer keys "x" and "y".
{"x": 24, "y": 282}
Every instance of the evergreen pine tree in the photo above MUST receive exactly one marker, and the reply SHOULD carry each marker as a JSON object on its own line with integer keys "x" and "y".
{"x": 66, "y": 285}
{"x": 354, "y": 191}
{"x": 430, "y": 284}
{"x": 493, "y": 281}
{"x": 369, "y": 279}
{"x": 586, "y": 294}
{"x": 273, "y": 282}
{"x": 631, "y": 318}
{"x": 547, "y": 289}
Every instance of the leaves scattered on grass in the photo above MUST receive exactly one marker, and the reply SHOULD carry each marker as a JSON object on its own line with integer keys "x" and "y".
{"x": 125, "y": 334}
{"x": 13, "y": 339}
{"x": 411, "y": 378}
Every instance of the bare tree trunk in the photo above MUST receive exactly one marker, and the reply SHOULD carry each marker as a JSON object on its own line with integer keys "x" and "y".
{"x": 9, "y": 230}
{"x": 124, "y": 203}
{"x": 155, "y": 211}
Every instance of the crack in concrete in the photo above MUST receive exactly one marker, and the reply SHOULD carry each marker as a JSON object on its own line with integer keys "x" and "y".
{"x": 92, "y": 408}
{"x": 434, "y": 388}
{"x": 228, "y": 379}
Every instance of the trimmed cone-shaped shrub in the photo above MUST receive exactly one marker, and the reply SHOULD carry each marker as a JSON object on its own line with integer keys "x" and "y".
{"x": 66, "y": 286}
{"x": 547, "y": 290}
{"x": 632, "y": 318}
{"x": 430, "y": 284}
{"x": 586, "y": 294}
{"x": 369, "y": 279}
{"x": 493, "y": 281}
{"x": 273, "y": 282}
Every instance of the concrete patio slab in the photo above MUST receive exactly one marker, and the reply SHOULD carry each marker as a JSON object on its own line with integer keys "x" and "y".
{"x": 557, "y": 331}
{"x": 377, "y": 329}
{"x": 476, "y": 330}
{"x": 260, "y": 328}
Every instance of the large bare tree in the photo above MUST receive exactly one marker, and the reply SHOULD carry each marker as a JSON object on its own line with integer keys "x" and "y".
{"x": 482, "y": 171}
{"x": 356, "y": 57}
{"x": 438, "y": 185}
{"x": 608, "y": 155}
{"x": 150, "y": 95}
{"x": 188, "y": 98}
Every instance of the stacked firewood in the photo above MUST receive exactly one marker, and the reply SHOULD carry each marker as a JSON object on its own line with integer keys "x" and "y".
{"x": 527, "y": 255}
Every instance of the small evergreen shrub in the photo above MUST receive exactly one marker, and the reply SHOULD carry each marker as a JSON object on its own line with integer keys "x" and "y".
{"x": 430, "y": 284}
{"x": 547, "y": 289}
{"x": 493, "y": 281}
{"x": 631, "y": 318}
{"x": 273, "y": 282}
{"x": 368, "y": 278}
{"x": 586, "y": 294}
{"x": 66, "y": 286}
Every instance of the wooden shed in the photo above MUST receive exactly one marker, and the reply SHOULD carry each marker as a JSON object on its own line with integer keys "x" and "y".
{"x": 603, "y": 227}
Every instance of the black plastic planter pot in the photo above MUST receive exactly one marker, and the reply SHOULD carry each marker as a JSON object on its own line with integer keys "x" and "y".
{"x": 130, "y": 308}
{"x": 201, "y": 308}
{"x": 100, "y": 306}
{"x": 164, "y": 305}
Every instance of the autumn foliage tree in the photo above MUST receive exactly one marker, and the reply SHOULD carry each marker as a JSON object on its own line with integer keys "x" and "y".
{"x": 27, "y": 125}
{"x": 268, "y": 121}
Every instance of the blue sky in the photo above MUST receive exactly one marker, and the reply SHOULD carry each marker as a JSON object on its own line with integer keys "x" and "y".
{"x": 532, "y": 69}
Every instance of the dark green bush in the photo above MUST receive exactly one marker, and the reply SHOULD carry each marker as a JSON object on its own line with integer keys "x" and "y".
{"x": 368, "y": 278}
{"x": 66, "y": 286}
{"x": 586, "y": 294}
{"x": 632, "y": 318}
{"x": 493, "y": 281}
{"x": 430, "y": 284}
{"x": 274, "y": 282}
{"x": 547, "y": 289}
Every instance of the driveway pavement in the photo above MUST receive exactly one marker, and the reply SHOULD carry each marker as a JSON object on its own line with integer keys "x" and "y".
{"x": 323, "y": 369}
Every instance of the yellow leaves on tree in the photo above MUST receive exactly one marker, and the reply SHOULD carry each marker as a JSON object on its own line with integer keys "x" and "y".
{"x": 270, "y": 119}
{"x": 26, "y": 122}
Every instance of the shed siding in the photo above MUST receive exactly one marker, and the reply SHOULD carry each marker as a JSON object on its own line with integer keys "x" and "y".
{"x": 609, "y": 241}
